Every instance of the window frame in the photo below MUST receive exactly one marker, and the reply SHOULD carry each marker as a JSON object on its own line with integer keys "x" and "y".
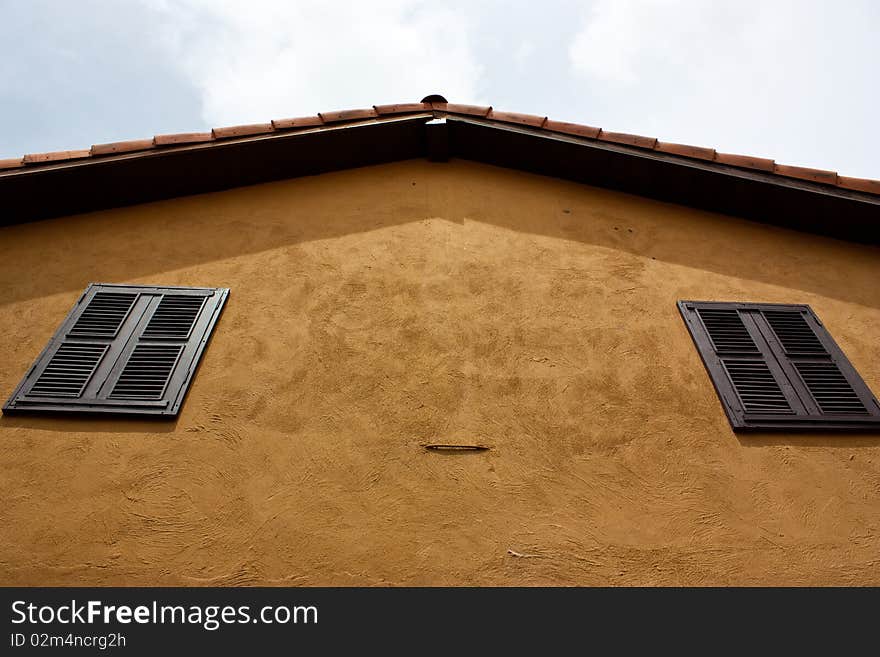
{"x": 98, "y": 394}
{"x": 806, "y": 412}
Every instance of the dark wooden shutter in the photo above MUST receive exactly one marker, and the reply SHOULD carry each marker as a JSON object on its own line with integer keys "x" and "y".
{"x": 775, "y": 366}
{"x": 122, "y": 349}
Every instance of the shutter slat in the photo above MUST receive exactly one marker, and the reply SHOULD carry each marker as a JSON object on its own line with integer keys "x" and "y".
{"x": 69, "y": 370}
{"x": 147, "y": 371}
{"x": 104, "y": 315}
{"x": 174, "y": 318}
{"x": 830, "y": 388}
{"x": 794, "y": 332}
{"x": 727, "y": 331}
{"x": 756, "y": 387}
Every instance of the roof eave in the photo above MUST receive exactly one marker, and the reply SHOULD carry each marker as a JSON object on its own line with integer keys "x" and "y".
{"x": 118, "y": 179}
{"x": 751, "y": 194}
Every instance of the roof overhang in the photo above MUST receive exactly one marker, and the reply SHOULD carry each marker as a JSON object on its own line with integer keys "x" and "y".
{"x": 751, "y": 194}
{"x": 76, "y": 186}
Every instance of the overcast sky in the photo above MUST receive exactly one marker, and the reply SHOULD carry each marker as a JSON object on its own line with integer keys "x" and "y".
{"x": 794, "y": 80}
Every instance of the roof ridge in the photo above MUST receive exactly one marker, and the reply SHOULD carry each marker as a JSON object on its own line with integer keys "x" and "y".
{"x": 438, "y": 105}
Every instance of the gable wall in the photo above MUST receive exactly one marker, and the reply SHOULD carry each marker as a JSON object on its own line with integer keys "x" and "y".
{"x": 378, "y": 309}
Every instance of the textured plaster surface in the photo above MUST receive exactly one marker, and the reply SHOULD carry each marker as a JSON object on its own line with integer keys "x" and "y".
{"x": 375, "y": 310}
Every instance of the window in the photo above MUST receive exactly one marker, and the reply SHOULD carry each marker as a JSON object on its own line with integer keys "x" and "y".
{"x": 122, "y": 349}
{"x": 775, "y": 366}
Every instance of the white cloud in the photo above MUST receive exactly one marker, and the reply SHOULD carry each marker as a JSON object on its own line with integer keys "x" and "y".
{"x": 792, "y": 80}
{"x": 523, "y": 52}
{"x": 253, "y": 60}
{"x": 787, "y": 79}
{"x": 624, "y": 40}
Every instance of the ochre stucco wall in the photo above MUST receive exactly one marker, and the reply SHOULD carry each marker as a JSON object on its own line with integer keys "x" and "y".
{"x": 377, "y": 309}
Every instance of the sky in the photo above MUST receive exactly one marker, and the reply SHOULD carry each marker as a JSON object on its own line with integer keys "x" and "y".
{"x": 793, "y": 80}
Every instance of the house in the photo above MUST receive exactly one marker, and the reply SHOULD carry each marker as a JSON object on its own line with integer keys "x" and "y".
{"x": 436, "y": 344}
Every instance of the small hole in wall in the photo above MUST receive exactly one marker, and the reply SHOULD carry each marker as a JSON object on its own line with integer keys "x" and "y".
{"x": 567, "y": 211}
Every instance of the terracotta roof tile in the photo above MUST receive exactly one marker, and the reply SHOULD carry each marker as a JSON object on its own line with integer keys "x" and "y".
{"x": 401, "y": 108}
{"x": 746, "y": 161}
{"x": 572, "y": 128}
{"x": 182, "y": 138}
{"x": 122, "y": 147}
{"x": 516, "y": 117}
{"x": 804, "y": 173}
{"x": 859, "y": 184}
{"x": 56, "y": 156}
{"x": 11, "y": 163}
{"x": 438, "y": 104}
{"x": 241, "y": 130}
{"x": 347, "y": 115}
{"x": 473, "y": 110}
{"x": 629, "y": 140}
{"x": 300, "y": 122}
{"x": 697, "y": 152}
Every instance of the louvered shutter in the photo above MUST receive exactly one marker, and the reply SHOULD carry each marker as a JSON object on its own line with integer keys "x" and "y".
{"x": 122, "y": 349}
{"x": 775, "y": 366}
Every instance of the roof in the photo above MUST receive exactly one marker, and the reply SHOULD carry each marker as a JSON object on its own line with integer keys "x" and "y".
{"x": 164, "y": 166}
{"x": 439, "y": 106}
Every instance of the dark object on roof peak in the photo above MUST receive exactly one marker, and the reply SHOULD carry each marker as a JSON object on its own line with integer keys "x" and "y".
{"x": 434, "y": 98}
